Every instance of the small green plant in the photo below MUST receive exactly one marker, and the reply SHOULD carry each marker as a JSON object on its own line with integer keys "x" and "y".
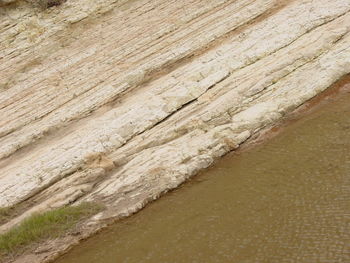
{"x": 50, "y": 3}
{"x": 43, "y": 226}
{"x": 43, "y": 3}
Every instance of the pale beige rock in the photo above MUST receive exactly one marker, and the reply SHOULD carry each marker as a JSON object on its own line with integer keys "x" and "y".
{"x": 121, "y": 101}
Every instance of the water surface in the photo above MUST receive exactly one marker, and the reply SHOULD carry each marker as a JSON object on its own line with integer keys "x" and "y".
{"x": 286, "y": 200}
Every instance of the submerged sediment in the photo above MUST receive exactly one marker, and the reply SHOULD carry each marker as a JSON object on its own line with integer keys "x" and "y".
{"x": 120, "y": 101}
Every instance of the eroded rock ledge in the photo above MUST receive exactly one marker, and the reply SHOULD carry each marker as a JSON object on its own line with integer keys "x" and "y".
{"x": 121, "y": 101}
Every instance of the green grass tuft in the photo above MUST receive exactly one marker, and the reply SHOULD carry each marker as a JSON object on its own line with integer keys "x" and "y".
{"x": 47, "y": 225}
{"x": 4, "y": 213}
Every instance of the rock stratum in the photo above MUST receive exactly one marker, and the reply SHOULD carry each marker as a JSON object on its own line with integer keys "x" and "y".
{"x": 120, "y": 101}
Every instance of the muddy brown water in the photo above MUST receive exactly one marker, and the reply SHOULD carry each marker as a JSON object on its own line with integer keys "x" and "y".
{"x": 284, "y": 200}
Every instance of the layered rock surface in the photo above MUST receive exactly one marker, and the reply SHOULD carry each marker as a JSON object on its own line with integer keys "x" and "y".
{"x": 120, "y": 101}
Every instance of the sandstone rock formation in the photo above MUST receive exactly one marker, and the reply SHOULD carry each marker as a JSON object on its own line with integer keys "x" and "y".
{"x": 120, "y": 101}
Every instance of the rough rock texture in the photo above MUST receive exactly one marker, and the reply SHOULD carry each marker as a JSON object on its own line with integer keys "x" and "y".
{"x": 120, "y": 101}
